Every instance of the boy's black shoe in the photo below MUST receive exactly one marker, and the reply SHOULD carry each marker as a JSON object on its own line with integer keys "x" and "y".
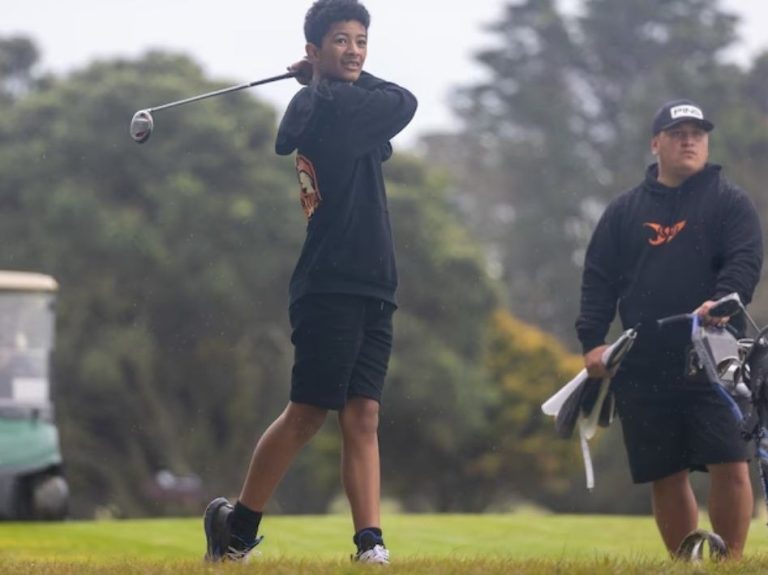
{"x": 222, "y": 545}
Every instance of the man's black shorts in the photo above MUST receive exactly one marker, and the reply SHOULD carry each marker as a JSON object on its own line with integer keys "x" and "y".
{"x": 671, "y": 424}
{"x": 342, "y": 345}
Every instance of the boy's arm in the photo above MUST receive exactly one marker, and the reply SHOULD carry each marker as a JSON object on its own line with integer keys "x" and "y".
{"x": 374, "y": 111}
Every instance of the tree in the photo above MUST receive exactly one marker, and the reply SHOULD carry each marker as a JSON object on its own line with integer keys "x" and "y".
{"x": 438, "y": 390}
{"x": 158, "y": 251}
{"x": 741, "y": 140}
{"x": 174, "y": 258}
{"x": 563, "y": 124}
{"x": 18, "y": 56}
{"x": 527, "y": 366}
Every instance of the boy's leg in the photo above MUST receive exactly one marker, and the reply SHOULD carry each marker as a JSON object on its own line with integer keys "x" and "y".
{"x": 276, "y": 450}
{"x": 730, "y": 504}
{"x": 674, "y": 508}
{"x": 231, "y": 531}
{"x": 359, "y": 421}
{"x": 360, "y": 470}
{"x": 326, "y": 333}
{"x": 326, "y": 339}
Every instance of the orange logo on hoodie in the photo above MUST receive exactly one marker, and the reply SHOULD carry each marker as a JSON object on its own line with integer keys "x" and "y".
{"x": 310, "y": 193}
{"x": 664, "y": 234}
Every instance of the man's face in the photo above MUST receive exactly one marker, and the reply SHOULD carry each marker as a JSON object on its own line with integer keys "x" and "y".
{"x": 342, "y": 53}
{"x": 682, "y": 150}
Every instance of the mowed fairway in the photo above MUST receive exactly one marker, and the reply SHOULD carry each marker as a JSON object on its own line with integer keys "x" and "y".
{"x": 435, "y": 544}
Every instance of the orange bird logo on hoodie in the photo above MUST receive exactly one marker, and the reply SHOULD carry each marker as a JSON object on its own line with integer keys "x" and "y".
{"x": 664, "y": 234}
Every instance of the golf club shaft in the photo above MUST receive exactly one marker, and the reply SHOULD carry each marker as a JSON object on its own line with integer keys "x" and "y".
{"x": 222, "y": 91}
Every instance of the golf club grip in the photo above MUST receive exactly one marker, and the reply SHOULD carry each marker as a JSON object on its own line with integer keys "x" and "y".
{"x": 665, "y": 321}
{"x": 284, "y": 76}
{"x": 222, "y": 91}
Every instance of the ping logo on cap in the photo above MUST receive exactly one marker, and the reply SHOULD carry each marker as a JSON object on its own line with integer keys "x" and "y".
{"x": 686, "y": 111}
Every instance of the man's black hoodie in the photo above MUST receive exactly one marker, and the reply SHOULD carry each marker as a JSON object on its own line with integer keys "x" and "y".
{"x": 659, "y": 251}
{"x": 341, "y": 133}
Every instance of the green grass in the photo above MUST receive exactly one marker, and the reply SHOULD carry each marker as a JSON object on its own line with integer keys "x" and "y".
{"x": 420, "y": 544}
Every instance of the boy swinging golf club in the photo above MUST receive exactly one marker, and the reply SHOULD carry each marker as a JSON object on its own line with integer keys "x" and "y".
{"x": 342, "y": 292}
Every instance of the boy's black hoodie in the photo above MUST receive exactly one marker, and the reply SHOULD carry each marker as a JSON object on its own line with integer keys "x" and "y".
{"x": 341, "y": 133}
{"x": 660, "y": 251}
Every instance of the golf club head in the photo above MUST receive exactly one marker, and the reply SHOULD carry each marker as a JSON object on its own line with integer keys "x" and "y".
{"x": 141, "y": 126}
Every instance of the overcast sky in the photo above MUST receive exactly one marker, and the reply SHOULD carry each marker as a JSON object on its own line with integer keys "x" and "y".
{"x": 425, "y": 45}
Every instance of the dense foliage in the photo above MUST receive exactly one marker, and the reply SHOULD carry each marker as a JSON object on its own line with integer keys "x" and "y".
{"x": 562, "y": 125}
{"x": 173, "y": 259}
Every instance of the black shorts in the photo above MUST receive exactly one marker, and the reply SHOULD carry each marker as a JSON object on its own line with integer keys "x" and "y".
{"x": 342, "y": 345}
{"x": 671, "y": 424}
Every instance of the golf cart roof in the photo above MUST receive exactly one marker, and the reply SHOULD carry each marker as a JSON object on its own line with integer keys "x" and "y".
{"x": 26, "y": 281}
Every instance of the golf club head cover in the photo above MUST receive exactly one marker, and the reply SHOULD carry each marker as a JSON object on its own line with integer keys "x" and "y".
{"x": 692, "y": 546}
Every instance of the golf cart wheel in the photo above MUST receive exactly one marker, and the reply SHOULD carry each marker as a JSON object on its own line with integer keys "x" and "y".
{"x": 49, "y": 498}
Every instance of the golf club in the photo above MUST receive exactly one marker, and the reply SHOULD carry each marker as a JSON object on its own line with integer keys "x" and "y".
{"x": 142, "y": 122}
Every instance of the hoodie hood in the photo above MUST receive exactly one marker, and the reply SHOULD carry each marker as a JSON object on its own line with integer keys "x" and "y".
{"x": 654, "y": 186}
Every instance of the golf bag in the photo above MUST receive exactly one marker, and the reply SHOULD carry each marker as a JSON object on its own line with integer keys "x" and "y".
{"x": 738, "y": 368}
{"x": 755, "y": 374}
{"x": 743, "y": 378}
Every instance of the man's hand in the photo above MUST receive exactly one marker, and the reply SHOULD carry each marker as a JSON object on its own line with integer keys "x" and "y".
{"x": 593, "y": 362}
{"x": 303, "y": 71}
{"x": 703, "y": 312}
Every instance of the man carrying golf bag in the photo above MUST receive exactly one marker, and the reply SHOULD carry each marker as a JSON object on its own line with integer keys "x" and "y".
{"x": 672, "y": 245}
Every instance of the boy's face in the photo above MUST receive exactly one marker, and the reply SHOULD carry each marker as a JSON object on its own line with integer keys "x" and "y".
{"x": 342, "y": 53}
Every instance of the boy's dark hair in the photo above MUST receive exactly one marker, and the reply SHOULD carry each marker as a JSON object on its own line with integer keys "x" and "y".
{"x": 324, "y": 13}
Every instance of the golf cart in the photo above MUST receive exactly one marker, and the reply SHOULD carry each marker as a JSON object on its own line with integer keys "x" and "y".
{"x": 31, "y": 481}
